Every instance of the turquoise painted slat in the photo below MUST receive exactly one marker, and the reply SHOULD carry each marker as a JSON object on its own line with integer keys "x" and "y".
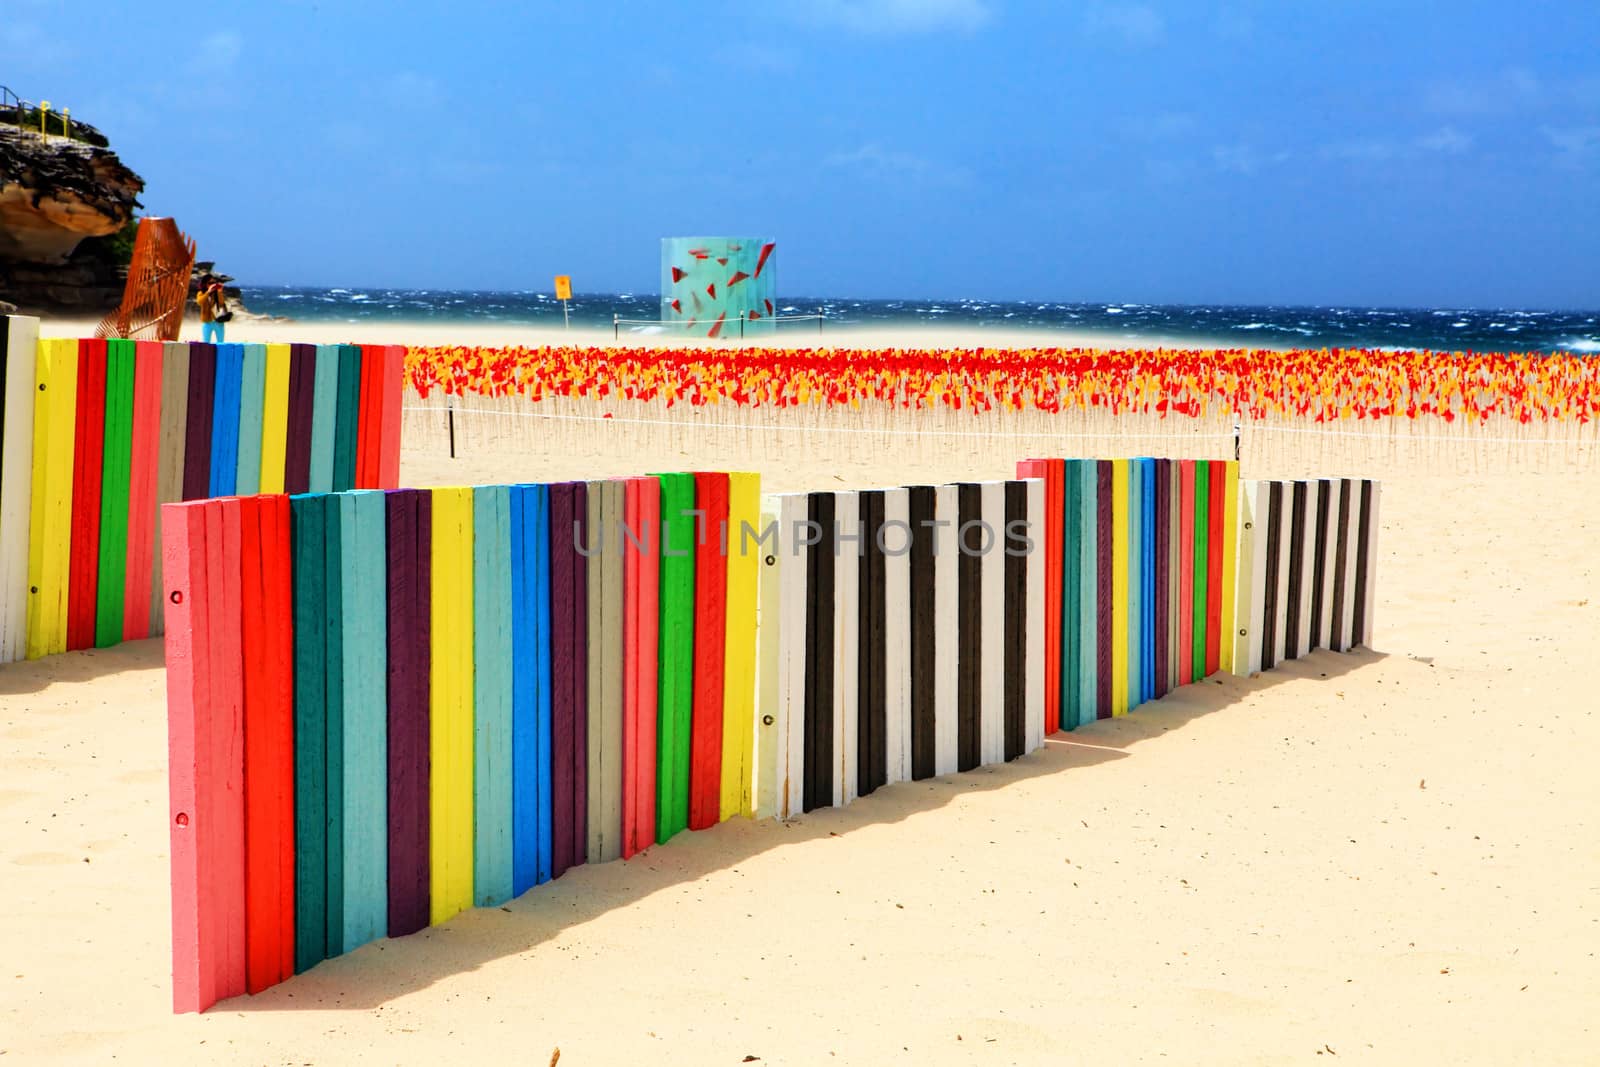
{"x": 1088, "y": 607}
{"x": 366, "y": 751}
{"x": 1135, "y": 578}
{"x": 492, "y": 695}
{"x": 252, "y": 398}
{"x": 1071, "y": 564}
{"x": 324, "y": 412}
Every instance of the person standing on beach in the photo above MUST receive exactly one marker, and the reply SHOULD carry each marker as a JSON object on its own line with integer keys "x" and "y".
{"x": 213, "y": 309}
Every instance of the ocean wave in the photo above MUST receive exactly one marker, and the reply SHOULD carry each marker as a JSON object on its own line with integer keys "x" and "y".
{"x": 1579, "y": 344}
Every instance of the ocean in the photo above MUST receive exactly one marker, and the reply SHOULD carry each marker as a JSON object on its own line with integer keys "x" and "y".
{"x": 1128, "y": 324}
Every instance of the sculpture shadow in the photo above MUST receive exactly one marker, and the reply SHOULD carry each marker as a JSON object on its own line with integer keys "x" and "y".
{"x": 386, "y": 969}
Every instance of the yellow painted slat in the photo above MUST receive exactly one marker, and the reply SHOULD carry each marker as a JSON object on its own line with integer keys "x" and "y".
{"x": 50, "y": 525}
{"x": 1119, "y": 587}
{"x": 275, "y": 419}
{"x": 1230, "y": 552}
{"x": 739, "y": 653}
{"x": 450, "y": 739}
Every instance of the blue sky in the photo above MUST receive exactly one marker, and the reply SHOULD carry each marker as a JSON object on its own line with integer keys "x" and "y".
{"x": 1348, "y": 152}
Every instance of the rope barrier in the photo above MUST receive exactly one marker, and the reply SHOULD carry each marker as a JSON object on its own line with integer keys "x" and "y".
{"x": 807, "y": 429}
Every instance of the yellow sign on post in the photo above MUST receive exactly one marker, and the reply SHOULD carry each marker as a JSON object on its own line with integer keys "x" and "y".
{"x": 563, "y": 294}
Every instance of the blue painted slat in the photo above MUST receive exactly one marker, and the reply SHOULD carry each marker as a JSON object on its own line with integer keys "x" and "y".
{"x": 252, "y": 400}
{"x": 225, "y": 420}
{"x": 366, "y": 752}
{"x": 492, "y": 695}
{"x": 1088, "y": 605}
{"x": 324, "y": 412}
{"x": 539, "y": 533}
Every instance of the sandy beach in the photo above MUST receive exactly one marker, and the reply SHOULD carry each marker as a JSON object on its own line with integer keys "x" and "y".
{"x": 1382, "y": 857}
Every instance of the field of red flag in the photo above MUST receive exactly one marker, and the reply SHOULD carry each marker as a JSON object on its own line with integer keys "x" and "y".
{"x": 1322, "y": 386}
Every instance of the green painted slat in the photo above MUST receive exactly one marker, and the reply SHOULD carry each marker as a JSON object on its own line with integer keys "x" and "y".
{"x": 491, "y": 665}
{"x": 252, "y": 400}
{"x": 675, "y": 679}
{"x": 363, "y": 551}
{"x": 116, "y": 465}
{"x": 1202, "y": 525}
{"x": 324, "y": 411}
{"x": 1071, "y": 580}
{"x": 347, "y": 418}
{"x": 334, "y": 577}
{"x": 310, "y": 732}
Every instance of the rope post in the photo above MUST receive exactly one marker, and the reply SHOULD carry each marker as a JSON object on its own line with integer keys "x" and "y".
{"x": 450, "y": 418}
{"x": 741, "y": 327}
{"x": 615, "y": 329}
{"x": 1236, "y": 431}
{"x": 819, "y": 322}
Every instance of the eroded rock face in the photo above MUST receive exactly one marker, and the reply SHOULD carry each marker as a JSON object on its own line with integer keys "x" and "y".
{"x": 55, "y": 192}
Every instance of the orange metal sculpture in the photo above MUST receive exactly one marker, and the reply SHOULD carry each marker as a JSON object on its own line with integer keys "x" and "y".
{"x": 158, "y": 284}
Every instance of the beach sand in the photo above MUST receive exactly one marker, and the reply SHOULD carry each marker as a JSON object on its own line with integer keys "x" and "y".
{"x": 1387, "y": 857}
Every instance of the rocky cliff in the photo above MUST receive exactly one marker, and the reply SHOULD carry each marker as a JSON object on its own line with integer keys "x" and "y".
{"x": 55, "y": 192}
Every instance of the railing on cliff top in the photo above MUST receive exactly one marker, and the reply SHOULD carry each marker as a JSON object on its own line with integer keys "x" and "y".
{"x": 15, "y": 111}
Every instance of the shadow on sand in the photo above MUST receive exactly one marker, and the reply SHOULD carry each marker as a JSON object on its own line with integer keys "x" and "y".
{"x": 383, "y": 970}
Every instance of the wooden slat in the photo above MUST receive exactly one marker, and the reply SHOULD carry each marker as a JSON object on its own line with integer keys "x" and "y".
{"x": 820, "y": 760}
{"x": 846, "y": 645}
{"x": 199, "y": 421}
{"x": 389, "y": 442}
{"x": 1201, "y": 530}
{"x": 492, "y": 694}
{"x": 641, "y": 618}
{"x": 739, "y": 652}
{"x": 311, "y": 757}
{"x": 324, "y": 419}
{"x": 18, "y": 387}
{"x": 897, "y": 624}
{"x": 1272, "y": 514}
{"x": 1071, "y": 625}
{"x": 871, "y": 725}
{"x": 710, "y": 636}
{"x": 924, "y": 668}
{"x": 300, "y": 435}
{"x": 364, "y": 593}
{"x": 88, "y": 467}
{"x": 275, "y": 376}
{"x": 170, "y": 463}
{"x": 1036, "y": 584}
{"x": 1216, "y": 499}
{"x": 451, "y": 705}
{"x": 1161, "y": 607}
{"x": 225, "y": 421}
{"x": 205, "y": 757}
{"x": 144, "y": 443}
{"x": 789, "y": 731}
{"x": 1366, "y": 564}
{"x": 111, "y": 581}
{"x": 1015, "y": 615}
{"x": 409, "y": 604}
{"x": 604, "y": 743}
{"x": 266, "y": 632}
{"x": 347, "y": 418}
{"x": 969, "y": 626}
{"x": 1105, "y": 593}
{"x": 993, "y": 629}
{"x": 252, "y": 419}
{"x": 1227, "y": 626}
{"x": 1120, "y": 585}
{"x": 676, "y": 655}
{"x": 531, "y": 787}
{"x": 569, "y": 705}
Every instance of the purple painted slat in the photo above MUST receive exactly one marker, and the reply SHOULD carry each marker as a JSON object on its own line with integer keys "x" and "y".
{"x": 302, "y": 391}
{"x": 197, "y": 435}
{"x": 580, "y": 675}
{"x": 1163, "y": 571}
{"x": 1103, "y": 573}
{"x": 410, "y": 540}
{"x": 563, "y": 672}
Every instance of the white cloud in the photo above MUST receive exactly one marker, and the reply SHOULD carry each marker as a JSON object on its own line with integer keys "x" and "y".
{"x": 894, "y": 16}
{"x": 1510, "y": 90}
{"x": 217, "y": 52}
{"x": 1575, "y": 144}
{"x": 1134, "y": 24}
{"x": 875, "y": 161}
{"x": 1245, "y": 159}
{"x": 1446, "y": 139}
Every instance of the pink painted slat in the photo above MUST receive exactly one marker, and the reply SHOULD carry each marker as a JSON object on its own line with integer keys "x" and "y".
{"x": 142, "y": 474}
